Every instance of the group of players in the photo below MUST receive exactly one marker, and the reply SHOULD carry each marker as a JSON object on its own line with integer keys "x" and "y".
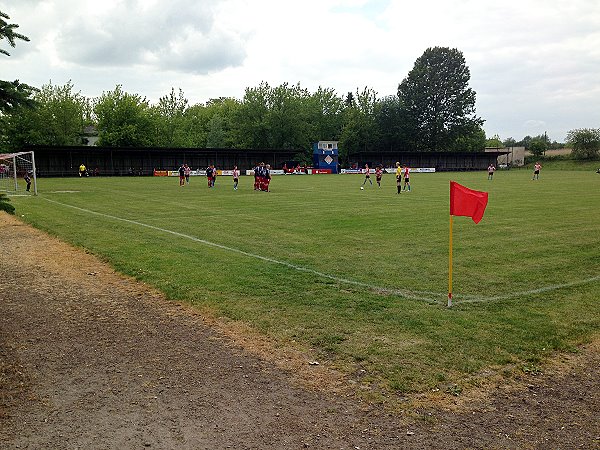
{"x": 402, "y": 172}
{"x": 262, "y": 177}
{"x": 536, "y": 171}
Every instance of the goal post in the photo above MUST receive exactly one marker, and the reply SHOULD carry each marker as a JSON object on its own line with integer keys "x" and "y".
{"x": 17, "y": 173}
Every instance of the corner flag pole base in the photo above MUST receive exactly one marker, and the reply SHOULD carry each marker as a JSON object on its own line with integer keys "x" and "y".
{"x": 449, "y": 299}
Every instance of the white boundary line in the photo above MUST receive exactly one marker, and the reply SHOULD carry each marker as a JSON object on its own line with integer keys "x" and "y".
{"x": 541, "y": 290}
{"x": 414, "y": 295}
{"x": 401, "y": 292}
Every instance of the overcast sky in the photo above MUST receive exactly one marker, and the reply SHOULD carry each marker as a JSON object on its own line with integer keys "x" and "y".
{"x": 535, "y": 64}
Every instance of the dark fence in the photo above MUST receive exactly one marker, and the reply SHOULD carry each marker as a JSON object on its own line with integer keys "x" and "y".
{"x": 65, "y": 161}
{"x": 441, "y": 161}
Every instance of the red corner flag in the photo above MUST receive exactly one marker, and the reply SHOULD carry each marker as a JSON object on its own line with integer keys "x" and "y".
{"x": 467, "y": 202}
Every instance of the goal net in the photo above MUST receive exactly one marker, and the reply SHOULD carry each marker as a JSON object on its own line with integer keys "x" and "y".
{"x": 17, "y": 173}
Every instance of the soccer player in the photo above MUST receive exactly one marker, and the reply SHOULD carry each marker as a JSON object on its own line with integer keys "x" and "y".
{"x": 367, "y": 175}
{"x": 406, "y": 178}
{"x": 187, "y": 171}
{"x": 27, "y": 179}
{"x": 181, "y": 171}
{"x": 267, "y": 177}
{"x": 262, "y": 176}
{"x": 82, "y": 170}
{"x": 536, "y": 171}
{"x": 236, "y": 175}
{"x": 491, "y": 170}
{"x": 378, "y": 174}
{"x": 209, "y": 175}
{"x": 256, "y": 171}
{"x": 398, "y": 177}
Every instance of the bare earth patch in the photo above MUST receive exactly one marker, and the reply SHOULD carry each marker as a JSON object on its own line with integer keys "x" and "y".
{"x": 91, "y": 359}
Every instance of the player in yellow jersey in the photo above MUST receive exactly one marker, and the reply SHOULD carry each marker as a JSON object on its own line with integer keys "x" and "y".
{"x": 398, "y": 177}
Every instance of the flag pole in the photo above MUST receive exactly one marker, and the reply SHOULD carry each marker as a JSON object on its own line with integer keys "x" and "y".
{"x": 450, "y": 267}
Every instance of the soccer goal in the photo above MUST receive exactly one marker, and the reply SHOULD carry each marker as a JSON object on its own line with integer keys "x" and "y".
{"x": 17, "y": 173}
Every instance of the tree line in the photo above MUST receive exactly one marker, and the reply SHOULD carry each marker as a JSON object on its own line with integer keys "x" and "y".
{"x": 432, "y": 110}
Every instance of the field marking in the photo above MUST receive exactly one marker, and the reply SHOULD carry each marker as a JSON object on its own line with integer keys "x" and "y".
{"x": 410, "y": 294}
{"x": 400, "y": 292}
{"x": 541, "y": 290}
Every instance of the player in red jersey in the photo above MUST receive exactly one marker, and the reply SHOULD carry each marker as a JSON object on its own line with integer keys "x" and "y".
{"x": 236, "y": 176}
{"x": 378, "y": 175}
{"x": 406, "y": 178}
{"x": 536, "y": 171}
{"x": 367, "y": 175}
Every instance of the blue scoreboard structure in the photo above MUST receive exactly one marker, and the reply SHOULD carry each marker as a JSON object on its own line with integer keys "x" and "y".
{"x": 325, "y": 157}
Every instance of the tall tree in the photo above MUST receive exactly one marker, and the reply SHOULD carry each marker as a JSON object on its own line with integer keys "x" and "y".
{"x": 437, "y": 100}
{"x": 252, "y": 116}
{"x": 124, "y": 119}
{"x": 287, "y": 118}
{"x": 325, "y": 110}
{"x": 12, "y": 93}
{"x": 168, "y": 118}
{"x": 359, "y": 132}
{"x": 7, "y": 31}
{"x": 390, "y": 124}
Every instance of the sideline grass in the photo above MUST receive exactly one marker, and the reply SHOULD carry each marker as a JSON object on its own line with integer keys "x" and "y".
{"x": 535, "y": 234}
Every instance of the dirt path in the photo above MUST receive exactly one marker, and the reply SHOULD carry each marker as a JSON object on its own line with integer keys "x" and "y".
{"x": 90, "y": 359}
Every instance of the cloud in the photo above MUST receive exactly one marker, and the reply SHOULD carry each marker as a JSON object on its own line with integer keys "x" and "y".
{"x": 177, "y": 36}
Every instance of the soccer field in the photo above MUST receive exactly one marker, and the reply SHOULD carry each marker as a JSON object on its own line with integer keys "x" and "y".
{"x": 358, "y": 277}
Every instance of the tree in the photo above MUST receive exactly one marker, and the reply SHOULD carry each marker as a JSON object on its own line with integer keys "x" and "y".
{"x": 325, "y": 115}
{"x": 217, "y": 136}
{"x": 494, "y": 142}
{"x": 251, "y": 118}
{"x": 439, "y": 105}
{"x": 472, "y": 140}
{"x": 12, "y": 94}
{"x": 168, "y": 117}
{"x": 360, "y": 128}
{"x": 537, "y": 146}
{"x": 287, "y": 118}
{"x": 585, "y": 142}
{"x": 509, "y": 142}
{"x": 525, "y": 142}
{"x": 124, "y": 120}
{"x": 58, "y": 117}
{"x": 7, "y": 31}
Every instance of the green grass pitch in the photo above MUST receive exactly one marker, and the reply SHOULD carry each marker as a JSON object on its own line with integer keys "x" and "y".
{"x": 358, "y": 277}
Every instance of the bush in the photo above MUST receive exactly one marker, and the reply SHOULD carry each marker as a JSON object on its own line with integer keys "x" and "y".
{"x": 5, "y": 205}
{"x": 585, "y": 142}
